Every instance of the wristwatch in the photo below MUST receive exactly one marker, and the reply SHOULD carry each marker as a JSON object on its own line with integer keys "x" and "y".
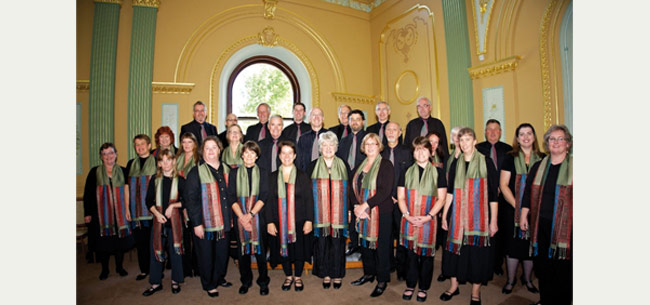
{"x": 252, "y": 214}
{"x": 405, "y": 214}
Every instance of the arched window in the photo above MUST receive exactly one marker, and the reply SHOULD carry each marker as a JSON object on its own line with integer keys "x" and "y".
{"x": 262, "y": 79}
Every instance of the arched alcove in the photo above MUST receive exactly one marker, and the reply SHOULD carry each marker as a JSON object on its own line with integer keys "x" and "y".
{"x": 566, "y": 51}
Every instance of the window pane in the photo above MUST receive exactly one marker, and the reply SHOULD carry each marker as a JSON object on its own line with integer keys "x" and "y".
{"x": 262, "y": 83}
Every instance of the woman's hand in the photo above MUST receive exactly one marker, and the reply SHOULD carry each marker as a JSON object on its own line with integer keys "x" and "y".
{"x": 246, "y": 218}
{"x": 523, "y": 224}
{"x": 413, "y": 221}
{"x": 245, "y": 222}
{"x": 271, "y": 229}
{"x": 444, "y": 224}
{"x": 360, "y": 211}
{"x": 198, "y": 231}
{"x": 128, "y": 215}
{"x": 493, "y": 228}
{"x": 160, "y": 218}
{"x": 88, "y": 219}
{"x": 168, "y": 212}
{"x": 307, "y": 227}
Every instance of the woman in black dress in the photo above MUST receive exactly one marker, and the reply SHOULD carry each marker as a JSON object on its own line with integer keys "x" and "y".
{"x": 164, "y": 199}
{"x": 329, "y": 175}
{"x": 514, "y": 171}
{"x": 548, "y": 198}
{"x": 372, "y": 187}
{"x": 473, "y": 184}
{"x": 186, "y": 159}
{"x": 248, "y": 190}
{"x": 106, "y": 210}
{"x": 421, "y": 194}
{"x": 290, "y": 216}
{"x": 206, "y": 190}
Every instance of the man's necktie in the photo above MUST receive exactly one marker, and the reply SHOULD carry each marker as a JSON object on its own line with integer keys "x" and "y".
{"x": 493, "y": 155}
{"x": 262, "y": 133}
{"x": 203, "y": 133}
{"x": 425, "y": 128}
{"x": 274, "y": 155}
{"x": 353, "y": 151}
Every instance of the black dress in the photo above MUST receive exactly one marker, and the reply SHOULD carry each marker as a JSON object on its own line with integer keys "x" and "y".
{"x": 102, "y": 244}
{"x": 301, "y": 249}
{"x": 474, "y": 264}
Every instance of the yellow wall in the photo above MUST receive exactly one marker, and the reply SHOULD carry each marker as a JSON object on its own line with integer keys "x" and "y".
{"x": 195, "y": 37}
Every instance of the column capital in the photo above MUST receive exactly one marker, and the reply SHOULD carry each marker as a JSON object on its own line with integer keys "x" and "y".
{"x": 147, "y": 3}
{"x": 118, "y": 2}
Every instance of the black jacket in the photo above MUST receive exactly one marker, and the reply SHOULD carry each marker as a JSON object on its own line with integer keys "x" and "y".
{"x": 253, "y": 132}
{"x": 346, "y": 144}
{"x": 415, "y": 125}
{"x": 195, "y": 128}
{"x": 290, "y": 132}
{"x": 304, "y": 148}
{"x": 500, "y": 147}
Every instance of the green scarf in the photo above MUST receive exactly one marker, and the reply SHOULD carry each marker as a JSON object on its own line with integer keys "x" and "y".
{"x": 521, "y": 173}
{"x": 138, "y": 186}
{"x": 368, "y": 228}
{"x": 181, "y": 168}
{"x": 111, "y": 204}
{"x": 235, "y": 160}
{"x": 330, "y": 198}
{"x": 287, "y": 209}
{"x": 420, "y": 194}
{"x": 247, "y": 197}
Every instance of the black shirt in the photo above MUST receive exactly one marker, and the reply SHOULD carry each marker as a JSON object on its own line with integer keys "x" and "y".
{"x": 548, "y": 193}
{"x": 193, "y": 202}
{"x": 166, "y": 191}
{"x": 492, "y": 177}
{"x": 441, "y": 183}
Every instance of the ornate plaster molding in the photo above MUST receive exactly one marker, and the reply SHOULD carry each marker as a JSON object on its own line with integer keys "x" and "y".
{"x": 269, "y": 8}
{"x": 119, "y": 2}
{"x": 172, "y": 88}
{"x": 494, "y": 68}
{"x": 147, "y": 3}
{"x": 352, "y": 98}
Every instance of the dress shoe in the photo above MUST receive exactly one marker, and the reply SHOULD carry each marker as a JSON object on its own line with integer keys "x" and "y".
{"x": 122, "y": 272}
{"x": 337, "y": 285}
{"x": 103, "y": 275}
{"x": 264, "y": 290}
{"x": 298, "y": 287}
{"x": 351, "y": 250}
{"x": 226, "y": 284}
{"x": 530, "y": 288}
{"x": 213, "y": 294}
{"x": 419, "y": 298}
{"x": 151, "y": 291}
{"x": 176, "y": 288}
{"x": 141, "y": 276}
{"x": 243, "y": 289}
{"x": 407, "y": 297}
{"x": 446, "y": 296}
{"x": 287, "y": 284}
{"x": 379, "y": 289}
{"x": 475, "y": 302}
{"x": 508, "y": 291}
{"x": 498, "y": 270}
{"x": 364, "y": 279}
{"x": 442, "y": 278}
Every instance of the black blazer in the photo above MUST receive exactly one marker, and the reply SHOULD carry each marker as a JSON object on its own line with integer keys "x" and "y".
{"x": 304, "y": 148}
{"x": 266, "y": 145}
{"x": 385, "y": 182}
{"x": 253, "y": 132}
{"x": 415, "y": 125}
{"x": 403, "y": 160}
{"x": 290, "y": 132}
{"x": 375, "y": 128}
{"x": 500, "y": 147}
{"x": 262, "y": 196}
{"x": 338, "y": 130}
{"x": 346, "y": 144}
{"x": 222, "y": 137}
{"x": 195, "y": 128}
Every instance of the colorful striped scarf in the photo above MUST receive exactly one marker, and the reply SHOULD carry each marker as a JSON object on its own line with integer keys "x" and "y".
{"x": 247, "y": 197}
{"x": 420, "y": 194}
{"x": 287, "y": 209}
{"x": 183, "y": 169}
{"x": 138, "y": 186}
{"x": 368, "y": 228}
{"x": 177, "y": 228}
{"x": 111, "y": 204}
{"x": 330, "y": 193}
{"x": 234, "y": 161}
{"x": 562, "y": 228}
{"x": 521, "y": 172}
{"x": 213, "y": 221}
{"x": 470, "y": 208}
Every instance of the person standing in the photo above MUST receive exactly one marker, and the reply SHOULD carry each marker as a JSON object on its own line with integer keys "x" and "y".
{"x": 425, "y": 124}
{"x": 547, "y": 216}
{"x": 199, "y": 127}
{"x": 294, "y": 131}
{"x": 186, "y": 159}
{"x": 259, "y": 131}
{"x": 342, "y": 129}
{"x": 231, "y": 119}
{"x": 270, "y": 147}
{"x": 308, "y": 148}
{"x": 164, "y": 139}
{"x": 207, "y": 206}
{"x": 106, "y": 210}
{"x": 140, "y": 171}
{"x": 231, "y": 155}
{"x": 382, "y": 111}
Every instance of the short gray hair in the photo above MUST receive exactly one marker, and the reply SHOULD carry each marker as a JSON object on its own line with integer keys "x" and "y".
{"x": 344, "y": 105}
{"x": 263, "y": 104}
{"x": 424, "y": 98}
{"x": 567, "y": 136}
{"x": 328, "y": 137}
{"x": 382, "y": 102}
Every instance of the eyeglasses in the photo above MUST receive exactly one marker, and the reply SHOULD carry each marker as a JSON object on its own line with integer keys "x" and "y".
{"x": 371, "y": 144}
{"x": 560, "y": 139}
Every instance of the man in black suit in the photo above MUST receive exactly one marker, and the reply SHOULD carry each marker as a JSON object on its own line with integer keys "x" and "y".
{"x": 231, "y": 119}
{"x": 294, "y": 131}
{"x": 199, "y": 127}
{"x": 308, "y": 149}
{"x": 350, "y": 152}
{"x": 496, "y": 151}
{"x": 269, "y": 146}
{"x": 424, "y": 124}
{"x": 402, "y": 158}
{"x": 382, "y": 111}
{"x": 342, "y": 129}
{"x": 260, "y": 130}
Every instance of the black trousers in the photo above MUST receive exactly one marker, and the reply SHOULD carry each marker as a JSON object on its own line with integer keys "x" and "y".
{"x": 142, "y": 237}
{"x": 329, "y": 257}
{"x": 190, "y": 262}
{"x": 376, "y": 262}
{"x": 352, "y": 230}
{"x": 498, "y": 241}
{"x": 298, "y": 266}
{"x": 104, "y": 256}
{"x": 555, "y": 276}
{"x": 400, "y": 257}
{"x": 420, "y": 271}
{"x": 213, "y": 257}
{"x": 246, "y": 273}
{"x": 156, "y": 267}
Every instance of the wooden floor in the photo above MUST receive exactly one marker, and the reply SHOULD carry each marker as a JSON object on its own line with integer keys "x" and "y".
{"x": 126, "y": 290}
